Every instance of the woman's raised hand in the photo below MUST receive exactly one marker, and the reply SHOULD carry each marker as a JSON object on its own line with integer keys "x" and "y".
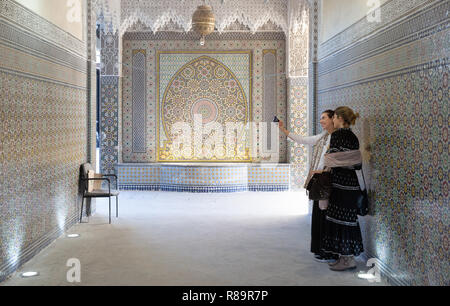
{"x": 281, "y": 126}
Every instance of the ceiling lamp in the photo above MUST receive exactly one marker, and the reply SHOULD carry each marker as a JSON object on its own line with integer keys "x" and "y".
{"x": 203, "y": 21}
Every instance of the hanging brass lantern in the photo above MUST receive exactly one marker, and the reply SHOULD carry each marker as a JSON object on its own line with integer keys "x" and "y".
{"x": 203, "y": 21}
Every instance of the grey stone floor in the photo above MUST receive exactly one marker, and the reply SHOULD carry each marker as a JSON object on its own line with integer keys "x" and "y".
{"x": 189, "y": 239}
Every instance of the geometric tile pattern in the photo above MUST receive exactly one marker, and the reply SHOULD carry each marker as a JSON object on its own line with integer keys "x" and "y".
{"x": 43, "y": 142}
{"x": 109, "y": 131}
{"x": 109, "y": 102}
{"x": 213, "y": 86}
{"x": 406, "y": 124}
{"x": 269, "y": 174}
{"x": 314, "y": 30}
{"x": 91, "y": 90}
{"x": 24, "y": 40}
{"x": 213, "y": 36}
{"x": 43, "y": 132}
{"x": 402, "y": 97}
{"x": 270, "y": 90}
{"x": 312, "y": 64}
{"x": 419, "y": 53}
{"x": 298, "y": 124}
{"x": 204, "y": 178}
{"x": 91, "y": 70}
{"x": 139, "y": 102}
{"x": 151, "y": 45}
{"x": 24, "y": 62}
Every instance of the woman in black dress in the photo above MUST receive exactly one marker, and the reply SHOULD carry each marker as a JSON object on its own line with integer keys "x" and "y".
{"x": 342, "y": 235}
{"x": 320, "y": 144}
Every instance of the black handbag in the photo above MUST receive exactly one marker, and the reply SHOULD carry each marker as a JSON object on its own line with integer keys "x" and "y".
{"x": 319, "y": 186}
{"x": 363, "y": 200}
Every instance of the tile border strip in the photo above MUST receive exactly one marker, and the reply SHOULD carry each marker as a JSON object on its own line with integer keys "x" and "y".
{"x": 16, "y": 38}
{"x": 170, "y": 35}
{"x": 205, "y": 189}
{"x": 39, "y": 78}
{"x": 24, "y": 62}
{"x": 40, "y": 27}
{"x": 412, "y": 69}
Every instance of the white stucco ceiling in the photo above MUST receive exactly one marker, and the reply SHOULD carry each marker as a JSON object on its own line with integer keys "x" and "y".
{"x": 154, "y": 14}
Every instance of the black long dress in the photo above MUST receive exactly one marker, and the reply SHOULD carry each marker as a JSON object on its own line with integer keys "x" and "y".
{"x": 317, "y": 231}
{"x": 342, "y": 233}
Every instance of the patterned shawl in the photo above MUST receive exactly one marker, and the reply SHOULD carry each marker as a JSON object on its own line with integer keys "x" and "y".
{"x": 317, "y": 153}
{"x": 351, "y": 158}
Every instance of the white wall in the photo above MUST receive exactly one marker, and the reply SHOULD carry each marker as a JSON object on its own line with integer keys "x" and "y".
{"x": 337, "y": 15}
{"x": 62, "y": 13}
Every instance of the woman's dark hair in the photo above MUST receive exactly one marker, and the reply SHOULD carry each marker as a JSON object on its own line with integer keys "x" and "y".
{"x": 329, "y": 112}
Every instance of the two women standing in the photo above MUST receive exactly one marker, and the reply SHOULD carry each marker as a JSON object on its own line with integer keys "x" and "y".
{"x": 335, "y": 229}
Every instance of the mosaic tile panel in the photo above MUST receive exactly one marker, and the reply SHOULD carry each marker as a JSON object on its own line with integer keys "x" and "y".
{"x": 192, "y": 36}
{"x": 270, "y": 89}
{"x": 312, "y": 65}
{"x": 109, "y": 132}
{"x": 204, "y": 178}
{"x": 403, "y": 134}
{"x": 200, "y": 176}
{"x": 150, "y": 43}
{"x": 213, "y": 86}
{"x": 138, "y": 174}
{"x": 43, "y": 132}
{"x": 43, "y": 144}
{"x": 406, "y": 126}
{"x": 139, "y": 102}
{"x": 314, "y": 31}
{"x": 109, "y": 102}
{"x": 270, "y": 175}
{"x": 91, "y": 69}
{"x": 298, "y": 124}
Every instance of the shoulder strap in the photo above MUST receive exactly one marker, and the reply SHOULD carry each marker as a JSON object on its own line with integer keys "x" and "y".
{"x": 364, "y": 180}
